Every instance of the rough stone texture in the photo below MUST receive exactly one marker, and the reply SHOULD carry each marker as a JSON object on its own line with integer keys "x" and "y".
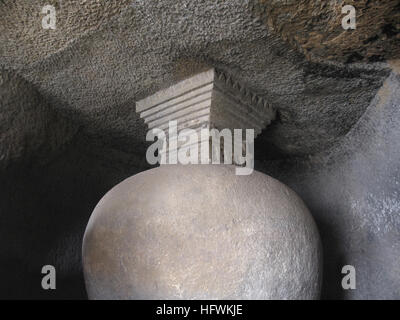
{"x": 352, "y": 191}
{"x": 23, "y": 39}
{"x": 315, "y": 28}
{"x": 153, "y": 44}
{"x": 201, "y": 232}
{"x": 30, "y": 130}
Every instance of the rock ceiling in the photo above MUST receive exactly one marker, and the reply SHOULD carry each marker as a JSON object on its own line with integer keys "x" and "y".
{"x": 103, "y": 56}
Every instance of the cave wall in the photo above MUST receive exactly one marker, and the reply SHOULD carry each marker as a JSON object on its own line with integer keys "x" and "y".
{"x": 52, "y": 174}
{"x": 352, "y": 190}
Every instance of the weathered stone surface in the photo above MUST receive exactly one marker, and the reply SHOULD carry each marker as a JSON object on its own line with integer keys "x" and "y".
{"x": 30, "y": 130}
{"x": 24, "y": 41}
{"x": 353, "y": 192}
{"x": 151, "y": 45}
{"x": 201, "y": 232}
{"x": 315, "y": 28}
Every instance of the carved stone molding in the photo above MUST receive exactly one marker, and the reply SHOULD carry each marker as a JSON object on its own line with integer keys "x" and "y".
{"x": 210, "y": 99}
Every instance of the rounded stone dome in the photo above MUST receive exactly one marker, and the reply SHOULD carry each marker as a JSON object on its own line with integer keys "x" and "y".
{"x": 201, "y": 232}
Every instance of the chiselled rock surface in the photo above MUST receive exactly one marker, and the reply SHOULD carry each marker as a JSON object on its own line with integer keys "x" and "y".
{"x": 101, "y": 59}
{"x": 201, "y": 232}
{"x": 23, "y": 39}
{"x": 353, "y": 193}
{"x": 315, "y": 28}
{"x": 30, "y": 130}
